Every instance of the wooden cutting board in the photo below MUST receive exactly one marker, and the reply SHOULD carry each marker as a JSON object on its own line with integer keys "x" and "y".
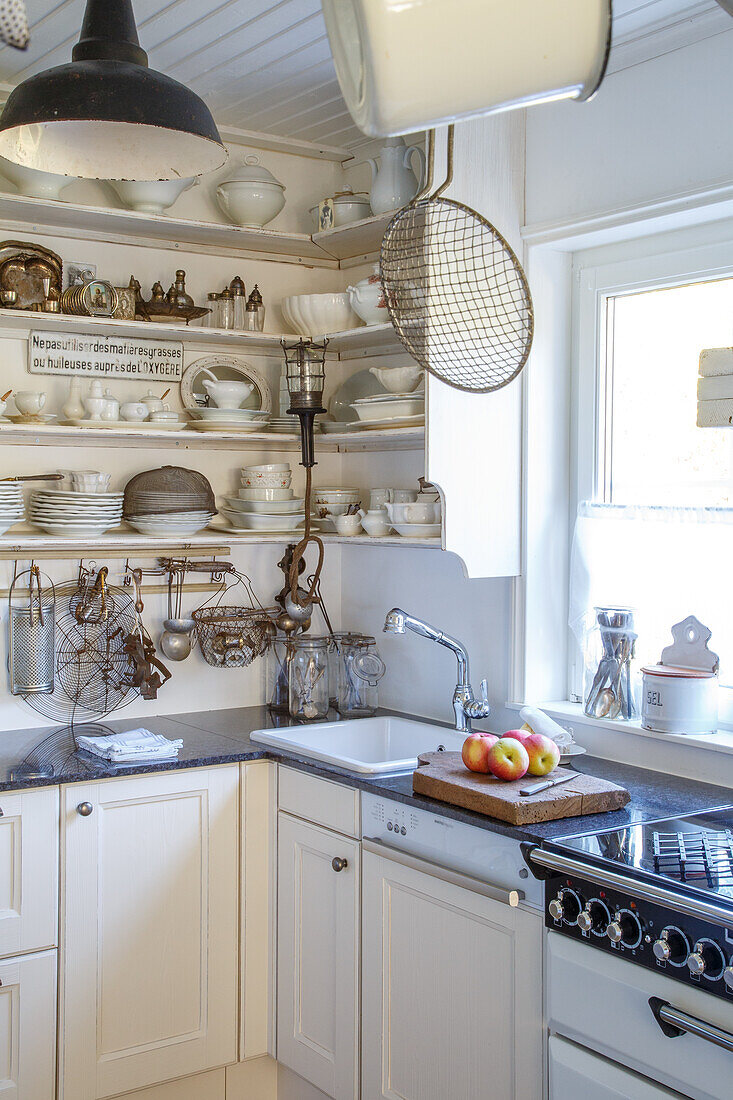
{"x": 442, "y": 775}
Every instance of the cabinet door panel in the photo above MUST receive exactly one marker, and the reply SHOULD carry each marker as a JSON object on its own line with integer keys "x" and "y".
{"x": 318, "y": 945}
{"x": 29, "y": 847}
{"x": 451, "y": 990}
{"x": 150, "y": 935}
{"x": 28, "y": 1027}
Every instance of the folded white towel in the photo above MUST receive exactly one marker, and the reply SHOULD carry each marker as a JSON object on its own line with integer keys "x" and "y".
{"x": 539, "y": 722}
{"x": 138, "y": 744}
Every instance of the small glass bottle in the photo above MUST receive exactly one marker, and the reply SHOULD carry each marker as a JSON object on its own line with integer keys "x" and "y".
{"x": 211, "y": 320}
{"x": 226, "y": 309}
{"x": 308, "y": 678}
{"x": 240, "y": 302}
{"x": 255, "y": 305}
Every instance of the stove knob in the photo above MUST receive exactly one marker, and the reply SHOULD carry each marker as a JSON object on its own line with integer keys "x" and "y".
{"x": 565, "y": 906}
{"x": 672, "y": 946}
{"x": 585, "y": 921}
{"x": 595, "y": 917}
{"x": 728, "y": 977}
{"x": 706, "y": 959}
{"x": 625, "y": 929}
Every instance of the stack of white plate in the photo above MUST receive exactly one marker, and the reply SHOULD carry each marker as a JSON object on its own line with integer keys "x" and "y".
{"x": 228, "y": 420}
{"x": 73, "y": 515}
{"x": 385, "y": 410}
{"x": 263, "y": 522}
{"x": 171, "y": 524}
{"x": 12, "y": 508}
{"x": 285, "y": 425}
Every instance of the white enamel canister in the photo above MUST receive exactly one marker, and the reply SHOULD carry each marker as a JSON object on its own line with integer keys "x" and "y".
{"x": 680, "y": 694}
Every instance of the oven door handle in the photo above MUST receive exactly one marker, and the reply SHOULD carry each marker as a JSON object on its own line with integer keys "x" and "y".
{"x": 674, "y": 1023}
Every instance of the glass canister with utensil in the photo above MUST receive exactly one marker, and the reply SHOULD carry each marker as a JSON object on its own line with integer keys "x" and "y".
{"x": 308, "y": 678}
{"x": 610, "y": 680}
{"x": 360, "y": 669}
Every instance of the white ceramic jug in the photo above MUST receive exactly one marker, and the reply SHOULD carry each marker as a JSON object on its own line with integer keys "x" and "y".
{"x": 393, "y": 181}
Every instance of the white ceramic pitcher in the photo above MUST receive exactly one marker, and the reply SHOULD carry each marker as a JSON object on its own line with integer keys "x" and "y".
{"x": 393, "y": 181}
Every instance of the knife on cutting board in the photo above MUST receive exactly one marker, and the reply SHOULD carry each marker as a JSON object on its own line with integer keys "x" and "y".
{"x": 545, "y": 784}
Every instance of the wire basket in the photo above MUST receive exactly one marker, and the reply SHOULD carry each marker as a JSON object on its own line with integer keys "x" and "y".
{"x": 232, "y": 637}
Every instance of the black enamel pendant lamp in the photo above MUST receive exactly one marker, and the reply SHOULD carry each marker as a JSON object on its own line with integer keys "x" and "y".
{"x": 107, "y": 115}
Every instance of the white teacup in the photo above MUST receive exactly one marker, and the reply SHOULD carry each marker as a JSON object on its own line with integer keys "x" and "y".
{"x": 29, "y": 402}
{"x": 90, "y": 481}
{"x": 134, "y": 411}
{"x": 347, "y": 525}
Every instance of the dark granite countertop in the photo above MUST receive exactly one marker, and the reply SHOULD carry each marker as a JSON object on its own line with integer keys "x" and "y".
{"x": 46, "y": 757}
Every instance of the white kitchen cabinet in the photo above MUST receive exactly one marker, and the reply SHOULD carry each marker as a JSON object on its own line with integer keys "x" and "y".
{"x": 29, "y": 856}
{"x": 149, "y": 930}
{"x": 451, "y": 990}
{"x": 318, "y": 956}
{"x": 577, "y": 1074}
{"x": 28, "y": 1027}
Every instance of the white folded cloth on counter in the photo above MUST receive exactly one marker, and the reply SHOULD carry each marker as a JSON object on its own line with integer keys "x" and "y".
{"x": 139, "y": 744}
{"x": 542, "y": 723}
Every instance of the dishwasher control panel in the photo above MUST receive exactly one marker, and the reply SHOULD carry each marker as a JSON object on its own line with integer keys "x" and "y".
{"x": 452, "y": 844}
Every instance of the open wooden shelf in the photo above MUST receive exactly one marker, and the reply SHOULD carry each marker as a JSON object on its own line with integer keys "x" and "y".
{"x": 48, "y": 435}
{"x": 103, "y": 223}
{"x": 26, "y": 544}
{"x": 358, "y": 239}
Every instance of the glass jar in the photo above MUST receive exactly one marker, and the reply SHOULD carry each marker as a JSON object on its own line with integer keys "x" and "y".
{"x": 360, "y": 668}
{"x": 226, "y": 309}
{"x": 276, "y": 674}
{"x": 610, "y": 674}
{"x": 337, "y": 640}
{"x": 308, "y": 678}
{"x": 211, "y": 320}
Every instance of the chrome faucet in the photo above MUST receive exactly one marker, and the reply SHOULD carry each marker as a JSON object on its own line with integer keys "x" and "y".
{"x": 465, "y": 706}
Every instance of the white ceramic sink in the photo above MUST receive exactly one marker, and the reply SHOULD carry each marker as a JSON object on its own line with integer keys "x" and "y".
{"x": 372, "y": 746}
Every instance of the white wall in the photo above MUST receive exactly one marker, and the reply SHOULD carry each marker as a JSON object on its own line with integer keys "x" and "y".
{"x": 652, "y": 131}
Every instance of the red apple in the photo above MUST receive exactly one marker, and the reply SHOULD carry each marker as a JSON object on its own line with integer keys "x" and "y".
{"x": 544, "y": 755}
{"x": 522, "y": 736}
{"x": 508, "y": 759}
{"x": 475, "y": 751}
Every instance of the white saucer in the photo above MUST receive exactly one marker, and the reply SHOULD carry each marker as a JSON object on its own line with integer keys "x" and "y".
{"x": 41, "y": 418}
{"x": 395, "y": 422}
{"x": 244, "y": 427}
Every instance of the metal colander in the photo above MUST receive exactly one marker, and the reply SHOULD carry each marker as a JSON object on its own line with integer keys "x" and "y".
{"x": 455, "y": 291}
{"x": 168, "y": 489}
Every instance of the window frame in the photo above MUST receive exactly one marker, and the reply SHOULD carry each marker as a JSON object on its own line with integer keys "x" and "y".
{"x": 601, "y": 274}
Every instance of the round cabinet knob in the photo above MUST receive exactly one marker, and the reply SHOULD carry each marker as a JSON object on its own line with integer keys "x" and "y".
{"x": 338, "y": 864}
{"x": 728, "y": 976}
{"x": 672, "y": 947}
{"x": 84, "y": 809}
{"x": 707, "y": 960}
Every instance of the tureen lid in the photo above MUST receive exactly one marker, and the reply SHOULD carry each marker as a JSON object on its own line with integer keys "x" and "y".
{"x": 251, "y": 171}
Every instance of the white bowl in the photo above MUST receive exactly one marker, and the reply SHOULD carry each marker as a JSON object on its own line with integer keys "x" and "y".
{"x": 269, "y": 507}
{"x": 265, "y": 493}
{"x": 398, "y": 379}
{"x": 267, "y": 481}
{"x": 35, "y": 184}
{"x": 390, "y": 409}
{"x": 311, "y": 314}
{"x": 254, "y": 522}
{"x": 157, "y": 526}
{"x": 151, "y": 196}
{"x": 418, "y": 530}
{"x": 420, "y": 511}
{"x": 268, "y": 468}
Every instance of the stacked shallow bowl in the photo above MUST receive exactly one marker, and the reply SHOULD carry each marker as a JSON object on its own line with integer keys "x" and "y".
{"x": 266, "y": 502}
{"x": 12, "y": 508}
{"x": 70, "y": 514}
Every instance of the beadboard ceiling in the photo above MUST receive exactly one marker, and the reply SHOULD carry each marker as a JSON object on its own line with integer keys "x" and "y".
{"x": 264, "y": 65}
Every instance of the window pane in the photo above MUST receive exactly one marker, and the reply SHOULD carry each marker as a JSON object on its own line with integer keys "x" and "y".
{"x": 655, "y": 453}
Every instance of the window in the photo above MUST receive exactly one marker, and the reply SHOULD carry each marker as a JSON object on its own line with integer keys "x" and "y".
{"x": 654, "y": 527}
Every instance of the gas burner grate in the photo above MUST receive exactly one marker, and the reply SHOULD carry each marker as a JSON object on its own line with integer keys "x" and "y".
{"x": 695, "y": 857}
